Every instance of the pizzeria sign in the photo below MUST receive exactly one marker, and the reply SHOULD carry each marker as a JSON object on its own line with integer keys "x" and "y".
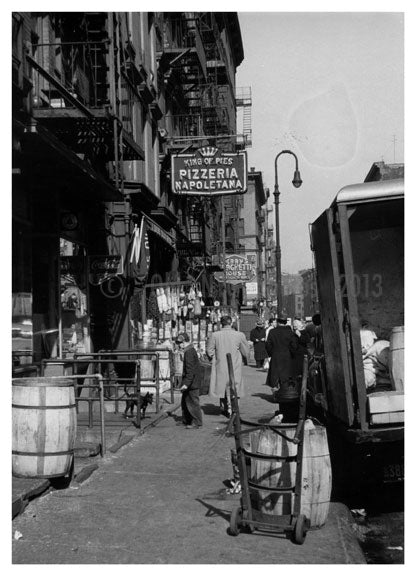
{"x": 209, "y": 172}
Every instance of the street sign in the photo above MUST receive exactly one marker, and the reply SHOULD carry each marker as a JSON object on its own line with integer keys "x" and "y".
{"x": 209, "y": 172}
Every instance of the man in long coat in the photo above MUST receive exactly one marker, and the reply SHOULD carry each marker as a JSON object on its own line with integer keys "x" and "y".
{"x": 281, "y": 345}
{"x": 227, "y": 340}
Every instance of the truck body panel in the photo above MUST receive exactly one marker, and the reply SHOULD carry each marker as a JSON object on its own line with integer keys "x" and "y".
{"x": 358, "y": 244}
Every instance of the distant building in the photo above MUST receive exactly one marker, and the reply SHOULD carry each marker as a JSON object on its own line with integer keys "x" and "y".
{"x": 291, "y": 284}
{"x": 252, "y": 232}
{"x": 293, "y": 305}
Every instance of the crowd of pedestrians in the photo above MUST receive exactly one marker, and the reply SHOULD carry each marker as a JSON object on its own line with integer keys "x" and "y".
{"x": 278, "y": 349}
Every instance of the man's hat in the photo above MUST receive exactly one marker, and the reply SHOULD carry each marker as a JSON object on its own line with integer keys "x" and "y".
{"x": 183, "y": 337}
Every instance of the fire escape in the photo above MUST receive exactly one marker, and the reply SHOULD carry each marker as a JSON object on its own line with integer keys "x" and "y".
{"x": 244, "y": 103}
{"x": 195, "y": 72}
{"x": 85, "y": 84}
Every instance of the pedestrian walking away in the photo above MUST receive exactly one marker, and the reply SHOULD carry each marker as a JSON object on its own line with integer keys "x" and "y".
{"x": 258, "y": 337}
{"x": 226, "y": 341}
{"x": 191, "y": 381}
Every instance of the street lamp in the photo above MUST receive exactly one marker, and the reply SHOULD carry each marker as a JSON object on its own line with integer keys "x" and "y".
{"x": 297, "y": 181}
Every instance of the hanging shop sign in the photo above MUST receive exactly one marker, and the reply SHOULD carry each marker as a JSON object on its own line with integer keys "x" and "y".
{"x": 209, "y": 172}
{"x": 238, "y": 270}
{"x": 251, "y": 290}
{"x": 101, "y": 268}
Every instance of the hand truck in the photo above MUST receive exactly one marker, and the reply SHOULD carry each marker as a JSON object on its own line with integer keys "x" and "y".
{"x": 245, "y": 515}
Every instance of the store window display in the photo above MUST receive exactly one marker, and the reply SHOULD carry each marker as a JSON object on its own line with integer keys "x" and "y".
{"x": 74, "y": 330}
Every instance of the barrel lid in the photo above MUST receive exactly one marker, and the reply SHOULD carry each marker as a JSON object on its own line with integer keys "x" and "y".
{"x": 42, "y": 381}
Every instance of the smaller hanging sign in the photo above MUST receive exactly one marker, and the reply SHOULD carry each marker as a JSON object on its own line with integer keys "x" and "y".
{"x": 101, "y": 268}
{"x": 238, "y": 270}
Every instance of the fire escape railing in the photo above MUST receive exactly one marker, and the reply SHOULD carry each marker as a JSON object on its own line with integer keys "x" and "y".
{"x": 68, "y": 75}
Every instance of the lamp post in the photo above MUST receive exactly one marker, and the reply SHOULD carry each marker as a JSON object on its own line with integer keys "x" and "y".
{"x": 297, "y": 181}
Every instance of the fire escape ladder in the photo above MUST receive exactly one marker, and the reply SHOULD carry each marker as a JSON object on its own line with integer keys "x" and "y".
{"x": 96, "y": 37}
{"x": 244, "y": 102}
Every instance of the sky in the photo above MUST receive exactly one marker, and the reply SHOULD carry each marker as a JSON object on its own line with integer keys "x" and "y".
{"x": 329, "y": 86}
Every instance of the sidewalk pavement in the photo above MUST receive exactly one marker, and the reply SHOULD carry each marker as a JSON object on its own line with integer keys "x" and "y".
{"x": 161, "y": 499}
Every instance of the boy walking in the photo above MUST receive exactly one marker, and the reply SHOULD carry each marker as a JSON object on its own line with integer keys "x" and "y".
{"x": 191, "y": 380}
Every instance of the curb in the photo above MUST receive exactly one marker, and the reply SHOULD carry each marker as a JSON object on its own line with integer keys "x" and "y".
{"x": 19, "y": 503}
{"x": 348, "y": 537}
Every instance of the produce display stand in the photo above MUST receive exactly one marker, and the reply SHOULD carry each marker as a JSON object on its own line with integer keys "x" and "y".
{"x": 245, "y": 515}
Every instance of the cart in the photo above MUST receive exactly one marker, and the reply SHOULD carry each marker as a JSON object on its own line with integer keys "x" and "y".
{"x": 245, "y": 515}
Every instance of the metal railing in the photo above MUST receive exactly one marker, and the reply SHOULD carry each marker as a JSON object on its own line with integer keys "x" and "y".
{"x": 110, "y": 384}
{"x": 90, "y": 400}
{"x": 157, "y": 377}
{"x": 79, "y": 67}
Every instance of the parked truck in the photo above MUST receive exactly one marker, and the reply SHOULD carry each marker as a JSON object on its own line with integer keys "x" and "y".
{"x": 358, "y": 244}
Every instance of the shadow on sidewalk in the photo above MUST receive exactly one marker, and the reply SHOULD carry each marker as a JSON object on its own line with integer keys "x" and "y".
{"x": 214, "y": 511}
{"x": 267, "y": 397}
{"x": 211, "y": 409}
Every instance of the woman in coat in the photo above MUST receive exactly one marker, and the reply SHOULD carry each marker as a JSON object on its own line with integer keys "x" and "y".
{"x": 258, "y": 337}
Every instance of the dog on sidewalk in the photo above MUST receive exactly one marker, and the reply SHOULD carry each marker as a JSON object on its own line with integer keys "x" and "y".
{"x": 145, "y": 400}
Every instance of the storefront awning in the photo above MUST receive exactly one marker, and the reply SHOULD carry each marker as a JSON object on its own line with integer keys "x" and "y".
{"x": 42, "y": 144}
{"x": 168, "y": 238}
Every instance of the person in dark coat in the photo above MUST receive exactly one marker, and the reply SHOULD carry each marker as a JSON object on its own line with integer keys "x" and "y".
{"x": 191, "y": 381}
{"x": 281, "y": 346}
{"x": 258, "y": 337}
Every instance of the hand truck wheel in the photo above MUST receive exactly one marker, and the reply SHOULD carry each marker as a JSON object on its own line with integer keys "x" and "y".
{"x": 235, "y": 521}
{"x": 299, "y": 532}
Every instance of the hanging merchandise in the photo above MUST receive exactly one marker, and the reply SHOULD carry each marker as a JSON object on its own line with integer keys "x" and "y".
{"x": 192, "y": 293}
{"x": 164, "y": 300}
{"x": 197, "y": 307}
{"x": 169, "y": 299}
{"x": 159, "y": 299}
{"x": 185, "y": 306}
{"x": 152, "y": 306}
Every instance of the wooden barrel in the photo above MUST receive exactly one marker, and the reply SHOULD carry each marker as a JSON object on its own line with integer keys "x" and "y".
{"x": 397, "y": 358}
{"x": 44, "y": 425}
{"x": 316, "y": 473}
